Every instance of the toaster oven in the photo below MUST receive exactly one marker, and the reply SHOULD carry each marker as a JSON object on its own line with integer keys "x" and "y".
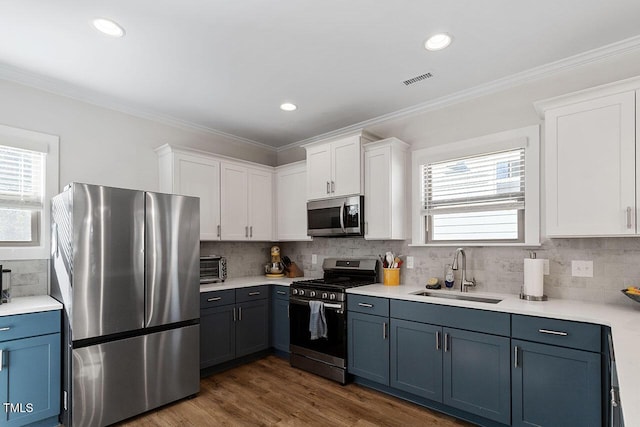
{"x": 213, "y": 269}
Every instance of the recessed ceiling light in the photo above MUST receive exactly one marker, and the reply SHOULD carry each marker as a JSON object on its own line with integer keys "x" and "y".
{"x": 437, "y": 41}
{"x": 108, "y": 27}
{"x": 287, "y": 106}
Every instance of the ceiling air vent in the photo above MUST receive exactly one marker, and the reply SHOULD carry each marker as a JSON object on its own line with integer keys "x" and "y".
{"x": 417, "y": 79}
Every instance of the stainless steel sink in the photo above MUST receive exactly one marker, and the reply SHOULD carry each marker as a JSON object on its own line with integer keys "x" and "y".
{"x": 458, "y": 297}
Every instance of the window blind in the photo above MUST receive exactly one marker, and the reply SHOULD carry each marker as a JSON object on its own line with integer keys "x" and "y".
{"x": 488, "y": 182}
{"x": 21, "y": 178}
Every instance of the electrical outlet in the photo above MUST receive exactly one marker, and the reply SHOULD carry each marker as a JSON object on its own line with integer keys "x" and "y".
{"x": 582, "y": 268}
{"x": 314, "y": 259}
{"x": 546, "y": 267}
{"x": 409, "y": 262}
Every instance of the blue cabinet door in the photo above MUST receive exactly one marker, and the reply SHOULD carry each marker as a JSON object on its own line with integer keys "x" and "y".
{"x": 368, "y": 347}
{"x": 252, "y": 327}
{"x": 217, "y": 335}
{"x": 280, "y": 324}
{"x": 477, "y": 373}
{"x": 555, "y": 386}
{"x": 30, "y": 380}
{"x": 416, "y": 358}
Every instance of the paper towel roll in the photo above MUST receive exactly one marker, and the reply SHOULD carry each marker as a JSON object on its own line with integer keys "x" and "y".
{"x": 533, "y": 277}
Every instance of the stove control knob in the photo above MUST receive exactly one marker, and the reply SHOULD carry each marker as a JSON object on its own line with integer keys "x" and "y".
{"x": 301, "y": 292}
{"x": 312, "y": 293}
{"x": 325, "y": 295}
{"x": 294, "y": 291}
{"x": 332, "y": 296}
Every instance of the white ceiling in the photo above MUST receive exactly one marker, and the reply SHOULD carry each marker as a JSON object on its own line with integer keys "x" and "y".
{"x": 228, "y": 65}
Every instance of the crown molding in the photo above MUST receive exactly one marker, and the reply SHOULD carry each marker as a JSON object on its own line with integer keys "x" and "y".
{"x": 58, "y": 87}
{"x": 68, "y": 90}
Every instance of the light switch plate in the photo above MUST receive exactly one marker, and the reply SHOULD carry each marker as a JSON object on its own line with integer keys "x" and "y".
{"x": 582, "y": 268}
{"x": 314, "y": 259}
{"x": 409, "y": 262}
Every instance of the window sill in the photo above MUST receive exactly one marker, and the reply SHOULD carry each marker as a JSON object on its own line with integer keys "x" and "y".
{"x": 475, "y": 244}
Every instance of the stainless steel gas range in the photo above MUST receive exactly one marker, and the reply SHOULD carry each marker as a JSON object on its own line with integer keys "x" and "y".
{"x": 311, "y": 301}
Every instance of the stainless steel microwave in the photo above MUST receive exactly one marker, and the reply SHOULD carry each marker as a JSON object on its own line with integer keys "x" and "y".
{"x": 337, "y": 217}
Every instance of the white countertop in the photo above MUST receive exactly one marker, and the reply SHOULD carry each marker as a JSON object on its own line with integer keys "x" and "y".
{"x": 623, "y": 320}
{"x": 243, "y": 282}
{"x": 24, "y": 305}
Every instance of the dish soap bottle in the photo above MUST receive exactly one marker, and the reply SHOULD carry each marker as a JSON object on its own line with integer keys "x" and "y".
{"x": 448, "y": 276}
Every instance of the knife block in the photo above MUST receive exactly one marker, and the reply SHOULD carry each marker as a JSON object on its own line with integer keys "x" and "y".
{"x": 294, "y": 271}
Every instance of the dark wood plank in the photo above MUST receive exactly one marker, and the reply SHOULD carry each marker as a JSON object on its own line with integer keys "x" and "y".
{"x": 269, "y": 392}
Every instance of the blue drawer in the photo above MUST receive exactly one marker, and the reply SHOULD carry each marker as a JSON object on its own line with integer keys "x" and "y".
{"x": 565, "y": 333}
{"x": 252, "y": 293}
{"x": 369, "y": 305}
{"x": 29, "y": 325}
{"x": 280, "y": 292}
{"x": 217, "y": 298}
{"x": 489, "y": 322}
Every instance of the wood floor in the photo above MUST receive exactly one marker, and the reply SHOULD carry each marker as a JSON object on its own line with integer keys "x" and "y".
{"x": 269, "y": 392}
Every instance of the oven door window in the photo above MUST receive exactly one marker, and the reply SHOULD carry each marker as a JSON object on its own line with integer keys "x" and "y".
{"x": 334, "y": 344}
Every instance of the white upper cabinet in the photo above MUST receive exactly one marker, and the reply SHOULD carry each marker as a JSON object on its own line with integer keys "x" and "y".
{"x": 246, "y": 202}
{"x": 194, "y": 175}
{"x": 385, "y": 189}
{"x": 335, "y": 168}
{"x": 591, "y": 164}
{"x": 291, "y": 202}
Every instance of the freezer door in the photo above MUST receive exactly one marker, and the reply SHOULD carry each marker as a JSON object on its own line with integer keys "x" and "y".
{"x": 172, "y": 259}
{"x": 108, "y": 261}
{"x": 119, "y": 379}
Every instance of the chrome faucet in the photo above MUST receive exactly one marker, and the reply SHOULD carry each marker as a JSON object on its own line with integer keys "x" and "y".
{"x": 464, "y": 283}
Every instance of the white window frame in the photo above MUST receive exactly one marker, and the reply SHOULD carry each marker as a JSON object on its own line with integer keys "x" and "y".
{"x": 527, "y": 138}
{"x": 48, "y": 144}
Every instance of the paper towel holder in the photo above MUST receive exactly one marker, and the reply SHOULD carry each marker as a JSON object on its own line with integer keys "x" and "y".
{"x": 531, "y": 297}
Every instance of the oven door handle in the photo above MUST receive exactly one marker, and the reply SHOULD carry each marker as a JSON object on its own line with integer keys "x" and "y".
{"x": 326, "y": 304}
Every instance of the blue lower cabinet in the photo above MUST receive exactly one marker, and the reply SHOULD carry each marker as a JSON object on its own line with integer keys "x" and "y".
{"x": 217, "y": 335}
{"x": 416, "y": 358}
{"x": 555, "y": 386}
{"x": 30, "y": 380}
{"x": 477, "y": 370}
{"x": 280, "y": 324}
{"x": 368, "y": 347}
{"x": 252, "y": 327}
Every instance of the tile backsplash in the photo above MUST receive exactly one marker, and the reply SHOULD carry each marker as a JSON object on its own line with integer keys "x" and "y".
{"x": 28, "y": 277}
{"x": 616, "y": 264}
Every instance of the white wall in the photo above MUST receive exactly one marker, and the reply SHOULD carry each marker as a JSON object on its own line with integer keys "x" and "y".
{"x": 102, "y": 146}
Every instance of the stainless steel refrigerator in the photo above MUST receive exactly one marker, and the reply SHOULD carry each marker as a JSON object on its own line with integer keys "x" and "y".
{"x": 125, "y": 264}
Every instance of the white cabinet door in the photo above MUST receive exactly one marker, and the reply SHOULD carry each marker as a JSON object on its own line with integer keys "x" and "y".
{"x": 591, "y": 167}
{"x": 234, "y": 193}
{"x": 319, "y": 172}
{"x": 260, "y": 201}
{"x": 385, "y": 192}
{"x": 346, "y": 159}
{"x": 200, "y": 177}
{"x": 291, "y": 204}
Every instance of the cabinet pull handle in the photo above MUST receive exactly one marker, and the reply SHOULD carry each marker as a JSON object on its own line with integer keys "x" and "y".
{"x": 6, "y": 328}
{"x": 1, "y": 359}
{"x": 234, "y": 314}
{"x": 333, "y": 187}
{"x": 629, "y": 218}
{"x": 239, "y": 313}
{"x": 328, "y": 187}
{"x": 288, "y": 310}
{"x": 251, "y": 231}
{"x": 547, "y": 331}
{"x": 515, "y": 356}
{"x": 214, "y": 299}
{"x": 218, "y": 230}
{"x": 364, "y": 304}
{"x": 446, "y": 342}
{"x": 246, "y": 231}
{"x": 437, "y": 340}
{"x": 384, "y": 330}
{"x": 281, "y": 292}
{"x": 253, "y": 294}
